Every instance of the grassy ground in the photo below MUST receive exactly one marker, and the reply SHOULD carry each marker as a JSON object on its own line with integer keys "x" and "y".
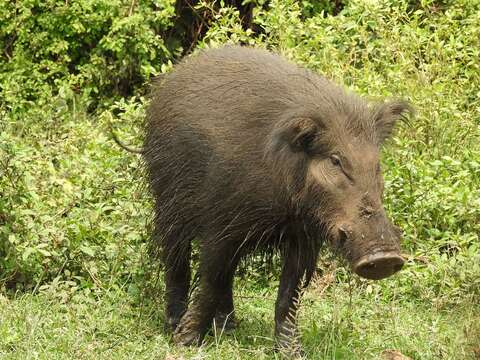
{"x": 338, "y": 321}
{"x": 74, "y": 213}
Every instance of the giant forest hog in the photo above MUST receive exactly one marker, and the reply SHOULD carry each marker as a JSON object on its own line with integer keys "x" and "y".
{"x": 247, "y": 152}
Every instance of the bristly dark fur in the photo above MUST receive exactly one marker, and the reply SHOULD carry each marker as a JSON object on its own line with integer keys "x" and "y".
{"x": 230, "y": 135}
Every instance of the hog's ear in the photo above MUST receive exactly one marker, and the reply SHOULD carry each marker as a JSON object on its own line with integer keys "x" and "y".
{"x": 386, "y": 116}
{"x": 298, "y": 133}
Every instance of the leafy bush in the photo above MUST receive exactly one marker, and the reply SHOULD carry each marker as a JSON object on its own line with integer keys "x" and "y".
{"x": 68, "y": 203}
{"x": 93, "y": 48}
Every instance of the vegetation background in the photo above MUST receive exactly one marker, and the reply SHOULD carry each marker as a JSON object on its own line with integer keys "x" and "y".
{"x": 75, "y": 280}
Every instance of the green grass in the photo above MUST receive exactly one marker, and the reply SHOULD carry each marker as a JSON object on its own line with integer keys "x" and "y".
{"x": 338, "y": 321}
{"x": 74, "y": 212}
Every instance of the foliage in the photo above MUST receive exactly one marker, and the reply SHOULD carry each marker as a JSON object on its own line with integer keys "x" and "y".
{"x": 93, "y": 48}
{"x": 69, "y": 203}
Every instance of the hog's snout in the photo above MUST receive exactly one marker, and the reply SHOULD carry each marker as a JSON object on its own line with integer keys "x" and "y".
{"x": 378, "y": 265}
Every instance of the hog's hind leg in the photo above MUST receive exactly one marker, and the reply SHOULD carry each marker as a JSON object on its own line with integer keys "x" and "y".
{"x": 214, "y": 293}
{"x": 176, "y": 258}
{"x": 225, "y": 316}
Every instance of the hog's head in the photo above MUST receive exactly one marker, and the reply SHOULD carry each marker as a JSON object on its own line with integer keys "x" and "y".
{"x": 332, "y": 176}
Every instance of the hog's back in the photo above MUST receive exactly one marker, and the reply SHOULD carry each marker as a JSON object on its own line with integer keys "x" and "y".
{"x": 210, "y": 118}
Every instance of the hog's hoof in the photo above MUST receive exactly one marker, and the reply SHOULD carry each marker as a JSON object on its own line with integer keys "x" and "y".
{"x": 290, "y": 352}
{"x": 225, "y": 322}
{"x": 171, "y": 324}
{"x": 187, "y": 337}
{"x": 289, "y": 348}
{"x": 188, "y": 332}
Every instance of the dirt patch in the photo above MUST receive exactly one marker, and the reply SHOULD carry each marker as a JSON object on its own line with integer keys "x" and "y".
{"x": 394, "y": 355}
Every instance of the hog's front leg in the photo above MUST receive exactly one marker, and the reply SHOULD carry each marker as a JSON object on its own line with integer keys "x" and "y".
{"x": 289, "y": 291}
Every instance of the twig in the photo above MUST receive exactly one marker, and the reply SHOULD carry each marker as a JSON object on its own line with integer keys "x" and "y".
{"x": 132, "y": 5}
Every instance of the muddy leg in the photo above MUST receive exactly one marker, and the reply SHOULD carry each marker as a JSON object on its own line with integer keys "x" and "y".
{"x": 177, "y": 285}
{"x": 215, "y": 278}
{"x": 288, "y": 297}
{"x": 225, "y": 315}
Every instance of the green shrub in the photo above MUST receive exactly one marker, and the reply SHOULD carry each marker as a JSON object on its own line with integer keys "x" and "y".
{"x": 96, "y": 49}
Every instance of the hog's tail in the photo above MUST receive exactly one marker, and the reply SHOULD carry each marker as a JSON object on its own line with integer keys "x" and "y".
{"x": 122, "y": 145}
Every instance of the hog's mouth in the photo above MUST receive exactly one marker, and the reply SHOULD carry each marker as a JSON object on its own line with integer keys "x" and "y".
{"x": 378, "y": 265}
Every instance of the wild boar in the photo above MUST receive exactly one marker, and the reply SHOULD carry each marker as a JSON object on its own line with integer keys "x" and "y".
{"x": 248, "y": 152}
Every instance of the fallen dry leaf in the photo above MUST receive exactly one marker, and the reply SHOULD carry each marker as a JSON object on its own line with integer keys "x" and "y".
{"x": 394, "y": 355}
{"x": 173, "y": 357}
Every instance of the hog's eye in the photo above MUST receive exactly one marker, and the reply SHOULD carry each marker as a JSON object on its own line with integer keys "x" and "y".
{"x": 335, "y": 160}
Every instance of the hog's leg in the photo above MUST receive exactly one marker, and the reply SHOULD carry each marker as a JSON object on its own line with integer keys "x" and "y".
{"x": 215, "y": 276}
{"x": 288, "y": 297}
{"x": 225, "y": 316}
{"x": 177, "y": 284}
